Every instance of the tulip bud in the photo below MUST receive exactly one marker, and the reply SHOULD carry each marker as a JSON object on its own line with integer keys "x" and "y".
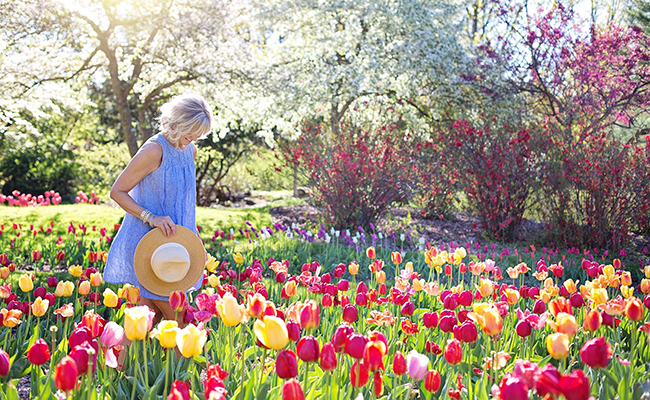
{"x": 596, "y": 353}
{"x": 66, "y": 374}
{"x": 592, "y": 321}
{"x": 355, "y": 345}
{"x": 307, "y": 349}
{"x": 328, "y": 357}
{"x": 634, "y": 309}
{"x": 327, "y": 300}
{"x": 539, "y": 307}
{"x": 5, "y": 363}
{"x": 468, "y": 332}
{"x": 177, "y": 301}
{"x": 453, "y": 352}
{"x": 291, "y": 390}
{"x": 399, "y": 363}
{"x": 39, "y": 353}
{"x": 408, "y": 308}
{"x": 293, "y": 330}
{"x": 350, "y": 313}
{"x": 340, "y": 337}
{"x": 430, "y": 319}
{"x": 465, "y": 298}
{"x": 432, "y": 381}
{"x": 523, "y": 328}
{"x": 286, "y": 364}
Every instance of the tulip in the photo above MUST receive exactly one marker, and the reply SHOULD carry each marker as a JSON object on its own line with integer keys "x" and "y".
{"x": 350, "y": 313}
{"x": 634, "y": 309}
{"x": 371, "y": 253}
{"x": 5, "y": 363}
{"x": 417, "y": 365}
{"x": 328, "y": 357}
{"x": 289, "y": 290}
{"x": 307, "y": 349}
{"x": 84, "y": 288}
{"x": 271, "y": 332}
{"x": 137, "y": 322}
{"x": 110, "y": 298}
{"x": 340, "y": 337}
{"x": 468, "y": 332}
{"x": 39, "y": 307}
{"x": 75, "y": 270}
{"x": 355, "y": 345}
{"x": 396, "y": 257}
{"x": 79, "y": 335}
{"x": 11, "y": 318}
{"x": 81, "y": 354}
{"x": 4, "y": 272}
{"x": 408, "y": 308}
{"x": 95, "y": 323}
{"x": 353, "y": 268}
{"x": 66, "y": 374}
{"x": 343, "y": 285}
{"x": 557, "y": 345}
{"x": 291, "y": 390}
{"x": 593, "y": 320}
{"x": 293, "y": 330}
{"x": 26, "y": 283}
{"x": 539, "y": 307}
{"x": 130, "y": 293}
{"x": 112, "y": 335}
{"x": 190, "y": 340}
{"x": 432, "y": 381}
{"x": 513, "y": 388}
{"x": 430, "y": 319}
{"x": 286, "y": 364}
{"x": 575, "y": 385}
{"x": 177, "y": 301}
{"x": 64, "y": 289}
{"x": 166, "y": 333}
{"x": 238, "y": 258}
{"x": 179, "y": 391}
{"x": 453, "y": 352}
{"x": 566, "y": 323}
{"x": 229, "y": 310}
{"x": 96, "y": 279}
{"x": 596, "y": 353}
{"x": 373, "y": 355}
{"x": 527, "y": 371}
{"x": 359, "y": 374}
{"x": 488, "y": 317}
{"x": 523, "y": 328}
{"x": 309, "y": 315}
{"x": 399, "y": 363}
{"x": 39, "y": 353}
{"x": 548, "y": 381}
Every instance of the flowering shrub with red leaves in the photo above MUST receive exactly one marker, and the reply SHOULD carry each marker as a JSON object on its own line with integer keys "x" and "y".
{"x": 497, "y": 169}
{"x": 435, "y": 181}
{"x": 358, "y": 174}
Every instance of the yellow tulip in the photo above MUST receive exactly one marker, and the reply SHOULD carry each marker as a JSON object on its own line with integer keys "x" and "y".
{"x": 646, "y": 271}
{"x": 627, "y": 291}
{"x": 213, "y": 280}
{"x": 271, "y": 332}
{"x": 137, "y": 322}
{"x": 644, "y": 287}
{"x": 229, "y": 310}
{"x": 485, "y": 287}
{"x": 40, "y": 306}
{"x": 418, "y": 284}
{"x": 599, "y": 296}
{"x": 110, "y": 298}
{"x": 557, "y": 345}
{"x": 11, "y": 318}
{"x": 84, "y": 288}
{"x": 25, "y": 282}
{"x": 566, "y": 323}
{"x": 190, "y": 341}
{"x": 64, "y": 289}
{"x": 4, "y": 272}
{"x": 353, "y": 268}
{"x": 512, "y": 296}
{"x": 460, "y": 253}
{"x": 381, "y": 277}
{"x": 626, "y": 278}
{"x": 76, "y": 270}
{"x": 488, "y": 317}
{"x": 609, "y": 271}
{"x": 166, "y": 333}
{"x": 239, "y": 259}
{"x": 211, "y": 264}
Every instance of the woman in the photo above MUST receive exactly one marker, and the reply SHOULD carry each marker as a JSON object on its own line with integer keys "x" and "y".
{"x": 158, "y": 190}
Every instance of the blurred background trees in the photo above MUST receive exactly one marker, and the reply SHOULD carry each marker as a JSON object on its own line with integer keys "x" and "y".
{"x": 504, "y": 109}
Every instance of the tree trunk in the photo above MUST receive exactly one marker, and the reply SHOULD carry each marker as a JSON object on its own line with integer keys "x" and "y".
{"x": 127, "y": 124}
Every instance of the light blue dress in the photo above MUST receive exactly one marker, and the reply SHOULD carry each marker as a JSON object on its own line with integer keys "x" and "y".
{"x": 169, "y": 190}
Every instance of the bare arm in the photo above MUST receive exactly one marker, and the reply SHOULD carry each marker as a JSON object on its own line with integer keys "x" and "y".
{"x": 147, "y": 160}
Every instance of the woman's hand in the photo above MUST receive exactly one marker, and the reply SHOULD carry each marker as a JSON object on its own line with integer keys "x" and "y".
{"x": 165, "y": 224}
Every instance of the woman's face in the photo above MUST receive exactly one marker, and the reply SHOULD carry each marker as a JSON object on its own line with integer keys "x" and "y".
{"x": 185, "y": 140}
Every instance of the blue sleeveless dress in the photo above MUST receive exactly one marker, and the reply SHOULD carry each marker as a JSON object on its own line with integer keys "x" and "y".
{"x": 169, "y": 190}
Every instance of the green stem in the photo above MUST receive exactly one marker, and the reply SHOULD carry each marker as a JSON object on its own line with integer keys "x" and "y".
{"x": 167, "y": 372}
{"x": 146, "y": 367}
{"x": 135, "y": 375}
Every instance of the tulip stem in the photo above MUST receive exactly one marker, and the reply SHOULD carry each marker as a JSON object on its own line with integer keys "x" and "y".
{"x": 36, "y": 379}
{"x": 135, "y": 374}
{"x": 241, "y": 367}
{"x": 169, "y": 365}
{"x": 146, "y": 368}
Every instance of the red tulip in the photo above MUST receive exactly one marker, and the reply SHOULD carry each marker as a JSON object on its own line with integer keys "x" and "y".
{"x": 432, "y": 381}
{"x": 79, "y": 335}
{"x": 596, "y": 353}
{"x": 355, "y": 345}
{"x": 308, "y": 349}
{"x": 430, "y": 319}
{"x": 328, "y": 357}
{"x": 340, "y": 337}
{"x": 539, "y": 306}
{"x": 646, "y": 301}
{"x": 408, "y": 308}
{"x": 548, "y": 381}
{"x": 592, "y": 321}
{"x": 575, "y": 386}
{"x": 95, "y": 323}
{"x": 361, "y": 299}
{"x": 291, "y": 390}
{"x": 467, "y": 332}
{"x": 512, "y": 388}
{"x": 453, "y": 352}
{"x": 39, "y": 353}
{"x": 359, "y": 374}
{"x": 465, "y": 298}
{"x": 343, "y": 285}
{"x": 350, "y": 314}
{"x": 286, "y": 364}
{"x": 36, "y": 255}
{"x": 327, "y": 300}
{"x": 373, "y": 355}
{"x": 40, "y": 292}
{"x": 177, "y": 301}
{"x": 309, "y": 315}
{"x": 180, "y": 391}
{"x": 81, "y": 356}
{"x": 66, "y": 374}
{"x": 52, "y": 281}
{"x": 293, "y": 329}
{"x": 523, "y": 328}
{"x": 5, "y": 363}
{"x": 399, "y": 363}
{"x": 634, "y": 309}
{"x": 447, "y": 323}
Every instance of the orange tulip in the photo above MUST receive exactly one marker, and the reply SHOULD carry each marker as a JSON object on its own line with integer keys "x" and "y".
{"x": 95, "y": 279}
{"x": 634, "y": 309}
{"x": 565, "y": 323}
{"x": 11, "y": 318}
{"x": 593, "y": 321}
{"x": 309, "y": 315}
{"x": 557, "y": 345}
{"x": 396, "y": 257}
{"x": 353, "y": 268}
{"x": 488, "y": 317}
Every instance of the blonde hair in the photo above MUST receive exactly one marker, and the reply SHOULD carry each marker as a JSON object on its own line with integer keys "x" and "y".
{"x": 185, "y": 114}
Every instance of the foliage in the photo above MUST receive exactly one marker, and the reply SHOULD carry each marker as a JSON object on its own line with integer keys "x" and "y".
{"x": 436, "y": 181}
{"x": 357, "y": 174}
{"x": 498, "y": 169}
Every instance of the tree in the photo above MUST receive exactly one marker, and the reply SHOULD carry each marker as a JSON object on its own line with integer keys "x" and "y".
{"x": 144, "y": 48}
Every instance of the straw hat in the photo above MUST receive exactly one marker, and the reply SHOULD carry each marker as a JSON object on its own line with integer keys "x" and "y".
{"x": 166, "y": 264}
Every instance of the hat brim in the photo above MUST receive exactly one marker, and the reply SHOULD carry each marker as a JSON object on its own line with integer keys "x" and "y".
{"x": 150, "y": 242}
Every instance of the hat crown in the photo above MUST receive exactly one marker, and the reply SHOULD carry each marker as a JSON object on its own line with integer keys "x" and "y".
{"x": 170, "y": 262}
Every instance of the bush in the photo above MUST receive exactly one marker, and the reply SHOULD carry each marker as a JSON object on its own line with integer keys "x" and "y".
{"x": 435, "y": 182}
{"x": 497, "y": 169}
{"x": 358, "y": 174}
